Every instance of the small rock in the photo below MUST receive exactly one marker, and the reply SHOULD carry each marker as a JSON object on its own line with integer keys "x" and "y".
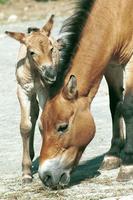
{"x": 2, "y": 36}
{"x": 12, "y": 18}
{"x": 26, "y": 8}
{"x": 2, "y": 15}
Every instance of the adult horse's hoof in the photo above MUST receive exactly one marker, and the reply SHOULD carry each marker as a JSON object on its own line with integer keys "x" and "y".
{"x": 125, "y": 173}
{"x": 110, "y": 162}
{"x": 27, "y": 179}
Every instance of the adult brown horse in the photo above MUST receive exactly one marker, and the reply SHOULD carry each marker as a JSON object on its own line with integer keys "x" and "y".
{"x": 101, "y": 36}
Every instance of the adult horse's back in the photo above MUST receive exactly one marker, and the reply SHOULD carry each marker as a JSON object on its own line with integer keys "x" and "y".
{"x": 101, "y": 36}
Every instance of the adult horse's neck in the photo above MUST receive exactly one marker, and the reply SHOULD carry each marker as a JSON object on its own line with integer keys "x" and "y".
{"x": 95, "y": 50}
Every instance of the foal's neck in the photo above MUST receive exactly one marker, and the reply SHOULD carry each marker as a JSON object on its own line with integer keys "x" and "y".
{"x": 24, "y": 65}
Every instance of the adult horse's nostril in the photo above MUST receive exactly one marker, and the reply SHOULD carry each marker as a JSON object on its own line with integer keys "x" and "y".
{"x": 48, "y": 180}
{"x": 64, "y": 179}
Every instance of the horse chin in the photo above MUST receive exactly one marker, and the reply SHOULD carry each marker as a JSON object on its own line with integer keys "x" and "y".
{"x": 48, "y": 80}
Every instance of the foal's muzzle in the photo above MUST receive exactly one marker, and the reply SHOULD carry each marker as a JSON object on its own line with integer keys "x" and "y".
{"x": 49, "y": 74}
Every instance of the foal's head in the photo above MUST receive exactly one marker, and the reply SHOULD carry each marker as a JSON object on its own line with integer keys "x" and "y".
{"x": 42, "y": 50}
{"x": 67, "y": 129}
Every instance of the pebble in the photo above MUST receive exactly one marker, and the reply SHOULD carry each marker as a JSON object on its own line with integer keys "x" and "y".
{"x": 12, "y": 18}
{"x": 2, "y": 16}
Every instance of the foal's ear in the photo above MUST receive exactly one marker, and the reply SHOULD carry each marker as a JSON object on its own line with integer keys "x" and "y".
{"x": 17, "y": 36}
{"x": 48, "y": 26}
{"x": 70, "y": 91}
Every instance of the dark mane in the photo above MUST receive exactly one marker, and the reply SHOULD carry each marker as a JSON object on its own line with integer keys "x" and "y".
{"x": 72, "y": 27}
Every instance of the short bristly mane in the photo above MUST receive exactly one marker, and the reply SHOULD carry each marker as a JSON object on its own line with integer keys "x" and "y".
{"x": 72, "y": 29}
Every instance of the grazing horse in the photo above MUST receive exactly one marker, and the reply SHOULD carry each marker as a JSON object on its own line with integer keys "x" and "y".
{"x": 100, "y": 42}
{"x": 36, "y": 70}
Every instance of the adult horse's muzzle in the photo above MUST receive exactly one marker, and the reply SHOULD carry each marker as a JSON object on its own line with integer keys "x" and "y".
{"x": 53, "y": 175}
{"x": 49, "y": 74}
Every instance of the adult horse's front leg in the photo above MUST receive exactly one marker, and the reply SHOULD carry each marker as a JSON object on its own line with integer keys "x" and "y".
{"x": 114, "y": 78}
{"x": 126, "y": 170}
{"x": 27, "y": 125}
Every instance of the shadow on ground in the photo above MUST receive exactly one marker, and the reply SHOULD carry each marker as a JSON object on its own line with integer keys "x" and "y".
{"x": 35, "y": 165}
{"x": 84, "y": 171}
{"x": 87, "y": 170}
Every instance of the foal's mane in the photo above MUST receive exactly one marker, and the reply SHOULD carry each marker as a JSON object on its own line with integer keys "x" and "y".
{"x": 72, "y": 30}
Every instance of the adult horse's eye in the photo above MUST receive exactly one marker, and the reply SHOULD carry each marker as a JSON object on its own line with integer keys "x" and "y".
{"x": 61, "y": 128}
{"x": 32, "y": 53}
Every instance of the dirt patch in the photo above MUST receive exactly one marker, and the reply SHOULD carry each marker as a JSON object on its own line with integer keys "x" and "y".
{"x": 102, "y": 186}
{"x": 24, "y": 10}
{"x": 17, "y": 191}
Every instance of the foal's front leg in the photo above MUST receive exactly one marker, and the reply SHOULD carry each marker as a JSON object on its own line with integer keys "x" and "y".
{"x": 27, "y": 125}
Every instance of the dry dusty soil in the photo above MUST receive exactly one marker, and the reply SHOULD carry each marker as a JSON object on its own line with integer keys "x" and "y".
{"x": 24, "y": 10}
{"x": 87, "y": 182}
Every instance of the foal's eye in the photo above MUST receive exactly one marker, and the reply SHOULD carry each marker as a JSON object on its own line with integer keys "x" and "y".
{"x": 52, "y": 49}
{"x": 62, "y": 127}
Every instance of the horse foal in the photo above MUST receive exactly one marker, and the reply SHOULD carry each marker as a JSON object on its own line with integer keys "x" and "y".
{"x": 36, "y": 70}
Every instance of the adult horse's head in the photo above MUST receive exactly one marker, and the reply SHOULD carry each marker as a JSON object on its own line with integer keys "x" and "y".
{"x": 67, "y": 128}
{"x": 42, "y": 50}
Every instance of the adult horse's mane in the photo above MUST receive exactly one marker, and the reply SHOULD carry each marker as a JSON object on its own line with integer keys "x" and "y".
{"x": 71, "y": 29}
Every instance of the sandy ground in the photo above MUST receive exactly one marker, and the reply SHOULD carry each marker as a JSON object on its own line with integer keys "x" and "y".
{"x": 24, "y": 10}
{"x": 87, "y": 182}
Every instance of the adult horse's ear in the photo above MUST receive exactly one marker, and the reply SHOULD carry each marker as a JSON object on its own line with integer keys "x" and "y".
{"x": 70, "y": 91}
{"x": 17, "y": 36}
{"x": 48, "y": 26}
